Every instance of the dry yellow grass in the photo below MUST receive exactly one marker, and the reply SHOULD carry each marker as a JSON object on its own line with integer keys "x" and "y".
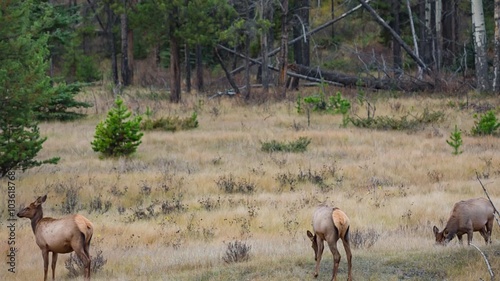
{"x": 394, "y": 184}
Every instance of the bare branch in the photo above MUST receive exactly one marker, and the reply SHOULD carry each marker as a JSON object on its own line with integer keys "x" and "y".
{"x": 487, "y": 195}
{"x": 394, "y": 35}
{"x": 492, "y": 275}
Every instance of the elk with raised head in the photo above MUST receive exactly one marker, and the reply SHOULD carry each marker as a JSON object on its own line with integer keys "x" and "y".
{"x": 59, "y": 236}
{"x": 330, "y": 224}
{"x": 466, "y": 217}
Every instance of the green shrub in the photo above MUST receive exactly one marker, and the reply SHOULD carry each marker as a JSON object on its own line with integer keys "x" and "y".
{"x": 406, "y": 122}
{"x": 334, "y": 104}
{"x": 171, "y": 123}
{"x": 117, "y": 135}
{"x": 299, "y": 145}
{"x": 486, "y": 124}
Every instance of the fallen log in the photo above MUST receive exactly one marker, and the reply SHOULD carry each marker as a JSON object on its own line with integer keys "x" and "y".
{"x": 346, "y": 80}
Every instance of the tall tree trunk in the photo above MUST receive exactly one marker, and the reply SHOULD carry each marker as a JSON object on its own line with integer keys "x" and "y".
{"x": 283, "y": 64}
{"x": 301, "y": 47}
{"x": 264, "y": 7}
{"x": 425, "y": 28}
{"x": 199, "y": 69}
{"x": 439, "y": 37}
{"x": 414, "y": 35}
{"x": 396, "y": 47}
{"x": 111, "y": 41}
{"x": 333, "y": 16}
{"x": 450, "y": 31}
{"x": 130, "y": 53}
{"x": 188, "y": 68}
{"x": 175, "y": 70}
{"x": 496, "y": 62}
{"x": 479, "y": 29}
{"x": 124, "y": 37}
{"x": 248, "y": 89}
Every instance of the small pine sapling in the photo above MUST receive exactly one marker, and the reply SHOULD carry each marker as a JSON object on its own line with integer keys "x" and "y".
{"x": 118, "y": 135}
{"x": 455, "y": 141}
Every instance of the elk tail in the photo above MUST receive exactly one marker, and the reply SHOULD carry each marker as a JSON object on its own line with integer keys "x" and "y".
{"x": 85, "y": 226}
{"x": 341, "y": 222}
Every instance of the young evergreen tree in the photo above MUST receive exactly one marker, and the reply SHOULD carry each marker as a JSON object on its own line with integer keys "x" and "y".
{"x": 23, "y": 85}
{"x": 118, "y": 135}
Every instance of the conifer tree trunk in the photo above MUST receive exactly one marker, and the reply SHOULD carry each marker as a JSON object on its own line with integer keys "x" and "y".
{"x": 175, "y": 71}
{"x": 199, "y": 69}
{"x": 264, "y": 6}
{"x": 125, "y": 48}
{"x": 301, "y": 47}
{"x": 188, "y": 68}
{"x": 111, "y": 42}
{"x": 450, "y": 31}
{"x": 396, "y": 47}
{"x": 283, "y": 64}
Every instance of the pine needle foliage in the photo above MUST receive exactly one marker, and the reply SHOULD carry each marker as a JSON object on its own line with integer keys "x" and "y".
{"x": 118, "y": 135}
{"x": 455, "y": 141}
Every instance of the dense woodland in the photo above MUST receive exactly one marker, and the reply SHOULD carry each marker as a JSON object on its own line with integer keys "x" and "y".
{"x": 401, "y": 45}
{"x": 50, "y": 49}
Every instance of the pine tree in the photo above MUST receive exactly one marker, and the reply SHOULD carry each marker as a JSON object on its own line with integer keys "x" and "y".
{"x": 118, "y": 135}
{"x": 23, "y": 85}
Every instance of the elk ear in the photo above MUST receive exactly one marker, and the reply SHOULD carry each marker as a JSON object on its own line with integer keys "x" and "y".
{"x": 40, "y": 200}
{"x": 310, "y": 235}
{"x": 436, "y": 230}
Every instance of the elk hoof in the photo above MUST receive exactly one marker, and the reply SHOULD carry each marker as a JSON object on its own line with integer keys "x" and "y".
{"x": 315, "y": 275}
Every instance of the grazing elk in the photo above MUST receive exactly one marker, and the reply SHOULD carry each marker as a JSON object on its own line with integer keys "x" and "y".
{"x": 59, "y": 236}
{"x": 467, "y": 216}
{"x": 330, "y": 224}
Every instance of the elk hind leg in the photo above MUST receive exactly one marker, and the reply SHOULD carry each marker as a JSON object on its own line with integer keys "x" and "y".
{"x": 336, "y": 259}
{"x": 81, "y": 250}
{"x": 489, "y": 229}
{"x": 348, "y": 253}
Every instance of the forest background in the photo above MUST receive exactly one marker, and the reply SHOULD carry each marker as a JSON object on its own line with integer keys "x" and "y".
{"x": 392, "y": 120}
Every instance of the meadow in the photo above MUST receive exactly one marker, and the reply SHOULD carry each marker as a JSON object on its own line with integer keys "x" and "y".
{"x": 176, "y": 208}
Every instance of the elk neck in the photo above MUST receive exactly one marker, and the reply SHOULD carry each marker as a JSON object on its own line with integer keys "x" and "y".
{"x": 36, "y": 219}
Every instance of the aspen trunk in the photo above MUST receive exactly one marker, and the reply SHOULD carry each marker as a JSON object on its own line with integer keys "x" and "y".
{"x": 479, "y": 30}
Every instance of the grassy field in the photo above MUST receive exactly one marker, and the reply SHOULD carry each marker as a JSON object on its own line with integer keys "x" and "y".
{"x": 166, "y": 213}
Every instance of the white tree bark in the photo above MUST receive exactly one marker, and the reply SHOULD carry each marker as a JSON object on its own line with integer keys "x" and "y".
{"x": 480, "y": 45}
{"x": 496, "y": 62}
{"x": 439, "y": 36}
{"x": 415, "y": 45}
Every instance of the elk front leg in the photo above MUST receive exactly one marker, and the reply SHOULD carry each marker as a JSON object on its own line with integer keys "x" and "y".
{"x": 54, "y": 262}
{"x": 319, "y": 253}
{"x": 469, "y": 237}
{"x": 45, "y": 255}
{"x": 336, "y": 262}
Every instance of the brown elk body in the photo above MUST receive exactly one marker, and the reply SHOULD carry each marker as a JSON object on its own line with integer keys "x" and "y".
{"x": 59, "y": 236}
{"x": 330, "y": 224}
{"x": 466, "y": 217}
